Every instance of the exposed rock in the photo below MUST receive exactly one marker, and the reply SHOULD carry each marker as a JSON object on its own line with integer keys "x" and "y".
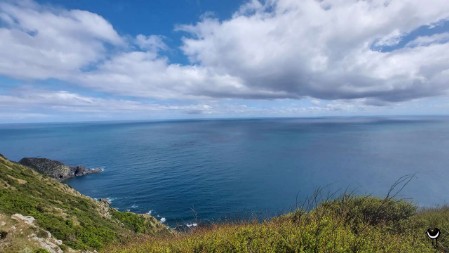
{"x": 35, "y": 236}
{"x": 56, "y": 169}
{"x": 104, "y": 207}
{"x": 106, "y": 201}
{"x": 81, "y": 171}
{"x": 50, "y": 244}
{"x": 48, "y": 167}
{"x": 26, "y": 219}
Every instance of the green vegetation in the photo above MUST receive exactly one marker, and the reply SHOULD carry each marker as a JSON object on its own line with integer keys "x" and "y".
{"x": 79, "y": 221}
{"x": 41, "y": 251}
{"x": 347, "y": 224}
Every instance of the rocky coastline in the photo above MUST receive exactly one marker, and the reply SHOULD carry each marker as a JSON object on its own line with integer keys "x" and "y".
{"x": 56, "y": 169}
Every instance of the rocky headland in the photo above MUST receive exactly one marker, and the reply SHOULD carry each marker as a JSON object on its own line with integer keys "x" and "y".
{"x": 57, "y": 169}
{"x": 40, "y": 214}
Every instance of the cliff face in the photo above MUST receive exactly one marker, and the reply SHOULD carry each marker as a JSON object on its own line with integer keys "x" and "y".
{"x": 56, "y": 169}
{"x": 48, "y": 167}
{"x": 56, "y": 217}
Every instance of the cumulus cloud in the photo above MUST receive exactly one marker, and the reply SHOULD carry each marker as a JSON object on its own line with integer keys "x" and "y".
{"x": 323, "y": 49}
{"x": 273, "y": 49}
{"x": 39, "y": 42}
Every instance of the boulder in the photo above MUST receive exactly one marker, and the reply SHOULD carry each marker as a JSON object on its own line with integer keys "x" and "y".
{"x": 26, "y": 219}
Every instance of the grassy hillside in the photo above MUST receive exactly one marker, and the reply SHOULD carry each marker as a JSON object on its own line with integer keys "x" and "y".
{"x": 79, "y": 221}
{"x": 348, "y": 224}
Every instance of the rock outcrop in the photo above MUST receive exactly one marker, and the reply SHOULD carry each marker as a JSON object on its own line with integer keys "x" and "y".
{"x": 25, "y": 227}
{"x": 60, "y": 217}
{"x": 56, "y": 169}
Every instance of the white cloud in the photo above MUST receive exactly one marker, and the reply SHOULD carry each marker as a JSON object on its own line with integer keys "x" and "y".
{"x": 267, "y": 50}
{"x": 39, "y": 42}
{"x": 389, "y": 40}
{"x": 323, "y": 48}
{"x": 65, "y": 101}
{"x": 143, "y": 74}
{"x": 428, "y": 40}
{"x": 151, "y": 43}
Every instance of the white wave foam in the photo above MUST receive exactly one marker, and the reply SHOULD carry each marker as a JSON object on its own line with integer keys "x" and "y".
{"x": 134, "y": 206}
{"x": 163, "y": 219}
{"x": 149, "y": 212}
{"x": 98, "y": 168}
{"x": 110, "y": 199}
{"x": 189, "y": 225}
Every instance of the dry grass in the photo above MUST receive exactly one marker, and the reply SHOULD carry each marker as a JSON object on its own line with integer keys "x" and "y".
{"x": 348, "y": 224}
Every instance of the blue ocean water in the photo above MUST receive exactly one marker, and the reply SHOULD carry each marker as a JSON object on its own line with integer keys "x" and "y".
{"x": 210, "y": 170}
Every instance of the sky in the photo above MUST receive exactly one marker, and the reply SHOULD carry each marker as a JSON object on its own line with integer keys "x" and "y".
{"x": 65, "y": 60}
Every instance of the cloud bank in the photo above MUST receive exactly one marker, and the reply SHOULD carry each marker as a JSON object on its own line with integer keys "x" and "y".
{"x": 324, "y": 49}
{"x": 273, "y": 49}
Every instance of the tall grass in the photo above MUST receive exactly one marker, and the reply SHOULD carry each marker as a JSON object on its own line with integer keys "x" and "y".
{"x": 347, "y": 223}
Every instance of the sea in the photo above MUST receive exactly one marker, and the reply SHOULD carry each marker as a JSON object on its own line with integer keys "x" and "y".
{"x": 188, "y": 172}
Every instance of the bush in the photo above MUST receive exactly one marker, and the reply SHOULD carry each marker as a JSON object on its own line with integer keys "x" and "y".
{"x": 371, "y": 210}
{"x": 41, "y": 251}
{"x": 134, "y": 222}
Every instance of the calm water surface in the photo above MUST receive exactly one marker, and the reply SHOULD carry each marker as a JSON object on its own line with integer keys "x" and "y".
{"x": 212, "y": 170}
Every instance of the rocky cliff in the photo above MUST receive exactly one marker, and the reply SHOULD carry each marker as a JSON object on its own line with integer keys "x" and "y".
{"x": 39, "y": 213}
{"x": 56, "y": 169}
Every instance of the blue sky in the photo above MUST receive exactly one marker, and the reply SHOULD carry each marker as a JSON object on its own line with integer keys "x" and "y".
{"x": 148, "y": 60}
{"x": 154, "y": 17}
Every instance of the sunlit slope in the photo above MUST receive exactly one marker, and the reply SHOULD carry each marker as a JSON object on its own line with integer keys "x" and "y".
{"x": 348, "y": 224}
{"x": 77, "y": 220}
